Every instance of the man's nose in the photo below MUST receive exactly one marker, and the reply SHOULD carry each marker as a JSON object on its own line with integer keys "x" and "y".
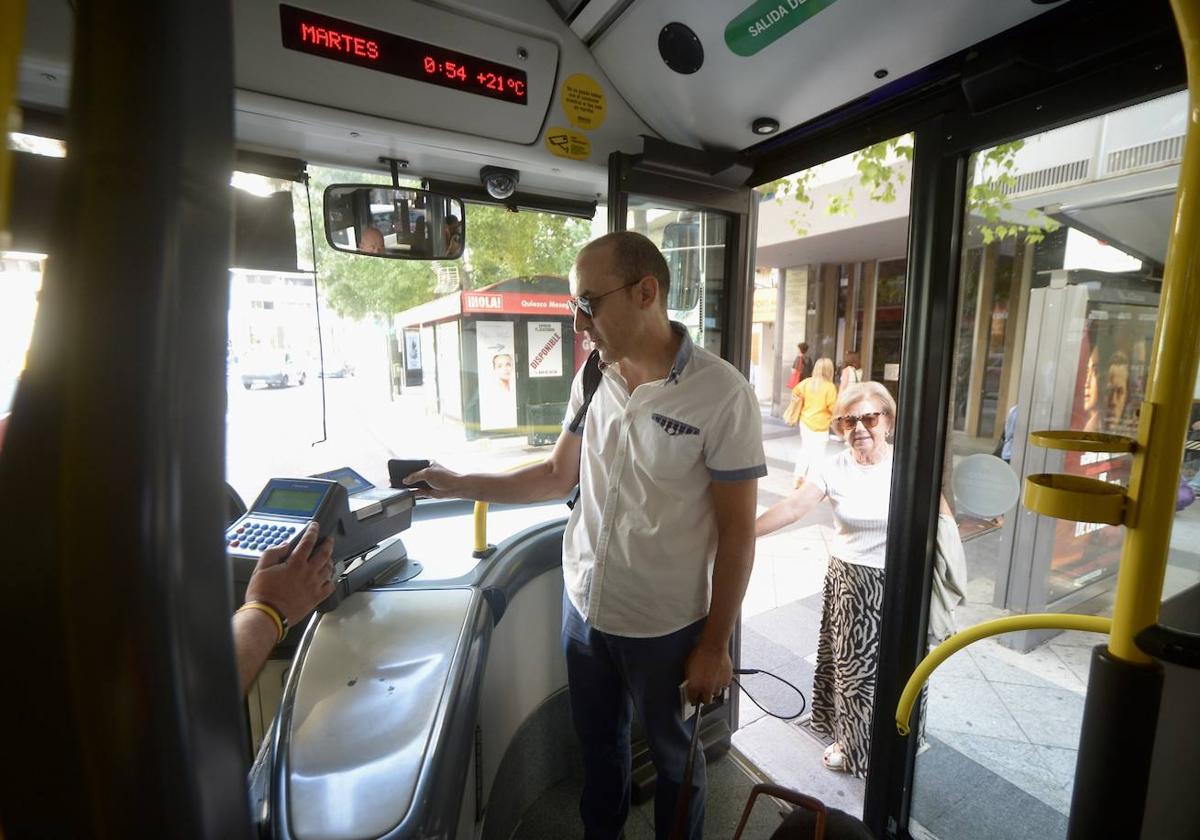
{"x": 580, "y": 321}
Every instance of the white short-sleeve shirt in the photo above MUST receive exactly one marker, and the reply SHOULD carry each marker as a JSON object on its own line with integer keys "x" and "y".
{"x": 861, "y": 497}
{"x": 639, "y": 546}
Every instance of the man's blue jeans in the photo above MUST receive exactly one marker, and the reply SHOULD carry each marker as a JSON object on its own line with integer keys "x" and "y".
{"x": 610, "y": 676}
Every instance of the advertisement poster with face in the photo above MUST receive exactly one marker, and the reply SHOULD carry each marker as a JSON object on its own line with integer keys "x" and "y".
{"x": 1110, "y": 386}
{"x": 497, "y": 375}
{"x": 545, "y": 349}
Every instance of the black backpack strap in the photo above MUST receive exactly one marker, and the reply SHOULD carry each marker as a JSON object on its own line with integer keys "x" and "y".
{"x": 592, "y": 376}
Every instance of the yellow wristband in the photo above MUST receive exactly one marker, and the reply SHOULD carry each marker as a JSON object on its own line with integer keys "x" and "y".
{"x": 263, "y": 606}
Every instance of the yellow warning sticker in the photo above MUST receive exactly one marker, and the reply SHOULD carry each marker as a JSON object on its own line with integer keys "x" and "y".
{"x": 584, "y": 102}
{"x": 569, "y": 144}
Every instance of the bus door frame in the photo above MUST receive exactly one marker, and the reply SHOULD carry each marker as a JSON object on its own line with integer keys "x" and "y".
{"x": 951, "y": 122}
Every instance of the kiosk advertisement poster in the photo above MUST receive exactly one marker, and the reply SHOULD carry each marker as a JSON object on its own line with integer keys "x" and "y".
{"x": 545, "y": 349}
{"x": 432, "y": 375}
{"x": 1110, "y": 385}
{"x": 497, "y": 380}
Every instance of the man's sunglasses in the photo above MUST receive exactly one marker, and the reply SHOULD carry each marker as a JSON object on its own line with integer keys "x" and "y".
{"x": 847, "y": 422}
{"x": 585, "y": 304}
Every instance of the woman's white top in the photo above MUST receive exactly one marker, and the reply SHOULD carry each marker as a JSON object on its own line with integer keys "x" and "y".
{"x": 859, "y": 495}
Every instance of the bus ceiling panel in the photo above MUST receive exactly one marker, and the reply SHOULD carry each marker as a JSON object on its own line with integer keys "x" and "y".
{"x": 44, "y": 71}
{"x": 789, "y": 61}
{"x": 403, "y": 60}
{"x": 571, "y": 119}
{"x": 339, "y": 138}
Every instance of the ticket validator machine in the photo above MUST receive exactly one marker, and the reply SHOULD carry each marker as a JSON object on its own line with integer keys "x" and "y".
{"x": 364, "y": 522}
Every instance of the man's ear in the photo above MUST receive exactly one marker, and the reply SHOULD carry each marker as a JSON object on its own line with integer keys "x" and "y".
{"x": 650, "y": 291}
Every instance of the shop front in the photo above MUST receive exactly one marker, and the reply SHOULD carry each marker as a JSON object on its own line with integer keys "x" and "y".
{"x": 499, "y": 360}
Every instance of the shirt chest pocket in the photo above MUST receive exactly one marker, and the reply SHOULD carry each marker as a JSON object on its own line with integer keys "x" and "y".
{"x": 666, "y": 447}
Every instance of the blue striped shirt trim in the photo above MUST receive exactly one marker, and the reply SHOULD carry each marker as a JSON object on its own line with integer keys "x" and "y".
{"x": 738, "y": 475}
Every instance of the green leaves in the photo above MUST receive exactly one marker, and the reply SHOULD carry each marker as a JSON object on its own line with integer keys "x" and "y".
{"x": 502, "y": 244}
{"x": 879, "y": 173}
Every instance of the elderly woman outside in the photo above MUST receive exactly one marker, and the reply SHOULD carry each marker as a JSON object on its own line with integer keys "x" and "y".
{"x": 818, "y": 395}
{"x": 857, "y": 483}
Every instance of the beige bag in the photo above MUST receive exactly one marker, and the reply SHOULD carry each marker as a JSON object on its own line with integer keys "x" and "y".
{"x": 791, "y": 414}
{"x": 949, "y": 579}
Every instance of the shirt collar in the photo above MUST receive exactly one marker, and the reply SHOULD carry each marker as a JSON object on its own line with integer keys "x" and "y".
{"x": 685, "y": 352}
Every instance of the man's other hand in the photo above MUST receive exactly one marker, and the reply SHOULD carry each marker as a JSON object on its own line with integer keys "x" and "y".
{"x": 294, "y": 584}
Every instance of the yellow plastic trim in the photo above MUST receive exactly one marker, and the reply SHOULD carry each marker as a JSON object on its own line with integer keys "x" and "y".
{"x": 481, "y": 509}
{"x": 1175, "y": 355}
{"x": 1074, "y": 441}
{"x": 1075, "y": 497}
{"x": 1011, "y": 624}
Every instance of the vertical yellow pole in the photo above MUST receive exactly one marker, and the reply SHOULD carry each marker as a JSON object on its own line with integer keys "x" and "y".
{"x": 1154, "y": 482}
{"x": 12, "y": 27}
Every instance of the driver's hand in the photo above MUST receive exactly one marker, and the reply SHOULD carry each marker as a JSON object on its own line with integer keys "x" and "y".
{"x": 294, "y": 583}
{"x": 443, "y": 483}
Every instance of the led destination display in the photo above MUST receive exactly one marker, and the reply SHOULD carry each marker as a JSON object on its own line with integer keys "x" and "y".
{"x": 362, "y": 46}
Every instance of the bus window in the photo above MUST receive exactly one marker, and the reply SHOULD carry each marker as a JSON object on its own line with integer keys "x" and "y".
{"x": 466, "y": 362}
{"x": 1062, "y": 257}
{"x": 693, "y": 243}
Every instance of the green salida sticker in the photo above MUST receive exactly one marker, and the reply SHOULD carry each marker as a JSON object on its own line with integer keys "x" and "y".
{"x": 766, "y": 21}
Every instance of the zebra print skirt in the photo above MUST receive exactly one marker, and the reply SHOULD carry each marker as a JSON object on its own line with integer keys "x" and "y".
{"x": 847, "y": 653}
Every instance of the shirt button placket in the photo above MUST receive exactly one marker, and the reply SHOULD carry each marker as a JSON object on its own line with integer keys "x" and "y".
{"x": 610, "y": 513}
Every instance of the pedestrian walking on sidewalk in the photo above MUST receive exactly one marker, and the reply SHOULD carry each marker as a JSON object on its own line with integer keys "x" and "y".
{"x": 817, "y": 395}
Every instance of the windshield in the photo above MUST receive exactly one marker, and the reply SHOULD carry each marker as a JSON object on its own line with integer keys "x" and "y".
{"x": 468, "y": 363}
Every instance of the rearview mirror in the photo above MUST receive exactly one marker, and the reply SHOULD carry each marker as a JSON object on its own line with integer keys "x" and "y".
{"x": 401, "y": 224}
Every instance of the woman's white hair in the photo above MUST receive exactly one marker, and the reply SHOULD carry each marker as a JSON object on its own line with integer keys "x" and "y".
{"x": 865, "y": 391}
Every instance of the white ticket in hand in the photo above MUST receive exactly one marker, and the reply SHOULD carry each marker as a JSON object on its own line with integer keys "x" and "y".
{"x": 686, "y": 707}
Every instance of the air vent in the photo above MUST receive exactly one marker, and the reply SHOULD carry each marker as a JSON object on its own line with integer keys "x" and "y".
{"x": 1158, "y": 153}
{"x": 1051, "y": 176}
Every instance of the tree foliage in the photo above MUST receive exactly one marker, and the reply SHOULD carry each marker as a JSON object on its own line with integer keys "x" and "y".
{"x": 879, "y": 173}
{"x": 503, "y": 244}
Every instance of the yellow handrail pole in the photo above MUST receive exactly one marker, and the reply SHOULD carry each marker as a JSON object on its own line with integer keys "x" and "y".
{"x": 1010, "y": 624}
{"x": 1154, "y": 481}
{"x": 12, "y": 27}
{"x": 480, "y": 515}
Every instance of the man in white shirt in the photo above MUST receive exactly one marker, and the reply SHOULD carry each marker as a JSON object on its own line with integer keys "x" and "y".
{"x": 658, "y": 551}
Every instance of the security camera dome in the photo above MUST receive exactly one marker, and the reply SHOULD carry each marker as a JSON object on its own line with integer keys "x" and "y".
{"x": 499, "y": 182}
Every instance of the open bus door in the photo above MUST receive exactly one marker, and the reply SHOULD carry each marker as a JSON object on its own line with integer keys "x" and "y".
{"x": 697, "y": 210}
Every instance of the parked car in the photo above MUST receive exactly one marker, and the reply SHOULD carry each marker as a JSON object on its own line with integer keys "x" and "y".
{"x": 275, "y": 369}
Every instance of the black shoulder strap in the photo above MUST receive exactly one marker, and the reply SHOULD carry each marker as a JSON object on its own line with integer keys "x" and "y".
{"x": 592, "y": 375}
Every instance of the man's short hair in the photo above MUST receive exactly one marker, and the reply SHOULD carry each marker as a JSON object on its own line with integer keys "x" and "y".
{"x": 803, "y": 345}
{"x": 634, "y": 256}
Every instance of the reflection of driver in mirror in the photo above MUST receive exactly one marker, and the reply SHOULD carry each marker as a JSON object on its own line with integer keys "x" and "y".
{"x": 452, "y": 235}
{"x": 371, "y": 241}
